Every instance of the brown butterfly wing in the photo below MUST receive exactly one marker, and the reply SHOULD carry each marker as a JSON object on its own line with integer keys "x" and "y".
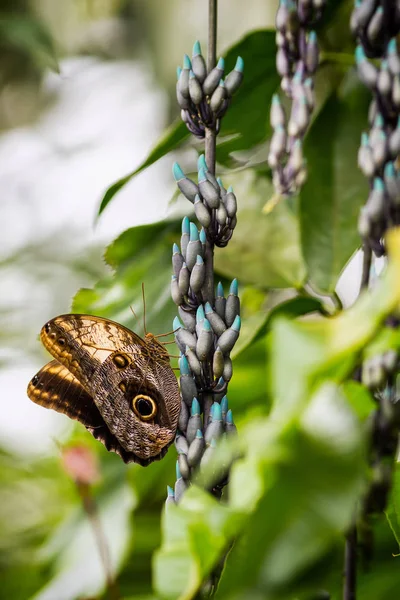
{"x": 56, "y": 388}
{"x": 92, "y": 350}
{"x": 117, "y": 384}
{"x": 82, "y": 343}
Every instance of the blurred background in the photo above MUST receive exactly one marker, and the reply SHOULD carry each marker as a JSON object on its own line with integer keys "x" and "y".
{"x": 87, "y": 88}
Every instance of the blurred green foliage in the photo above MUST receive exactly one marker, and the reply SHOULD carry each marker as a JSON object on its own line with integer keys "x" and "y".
{"x": 303, "y": 467}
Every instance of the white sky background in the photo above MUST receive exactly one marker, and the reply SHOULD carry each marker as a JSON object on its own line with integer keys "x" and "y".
{"x": 52, "y": 177}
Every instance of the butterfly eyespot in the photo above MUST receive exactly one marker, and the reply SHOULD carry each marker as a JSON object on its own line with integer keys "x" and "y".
{"x": 144, "y": 407}
{"x": 53, "y": 335}
{"x": 61, "y": 341}
{"x": 121, "y": 361}
{"x": 47, "y": 328}
{"x": 35, "y": 380}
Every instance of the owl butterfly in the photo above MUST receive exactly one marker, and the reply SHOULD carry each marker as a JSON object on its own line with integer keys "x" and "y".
{"x": 118, "y": 385}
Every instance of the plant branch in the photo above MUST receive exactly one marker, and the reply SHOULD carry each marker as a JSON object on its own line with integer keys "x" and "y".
{"x": 210, "y": 146}
{"x": 211, "y": 134}
{"x": 90, "y": 508}
{"x": 350, "y": 565}
{"x": 366, "y": 268}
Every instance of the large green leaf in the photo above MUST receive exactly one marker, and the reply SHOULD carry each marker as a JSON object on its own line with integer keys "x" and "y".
{"x": 335, "y": 189}
{"x": 247, "y": 119}
{"x": 265, "y": 248}
{"x": 293, "y": 513}
{"x": 195, "y": 533}
{"x": 320, "y": 348}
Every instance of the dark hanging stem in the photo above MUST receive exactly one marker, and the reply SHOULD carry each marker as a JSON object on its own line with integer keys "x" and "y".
{"x": 211, "y": 134}
{"x": 366, "y": 268}
{"x": 210, "y": 145}
{"x": 90, "y": 508}
{"x": 350, "y": 565}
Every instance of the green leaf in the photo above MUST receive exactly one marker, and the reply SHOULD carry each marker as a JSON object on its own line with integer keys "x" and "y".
{"x": 335, "y": 189}
{"x": 194, "y": 535}
{"x": 247, "y": 119}
{"x": 359, "y": 398}
{"x": 293, "y": 513}
{"x": 171, "y": 139}
{"x": 30, "y": 38}
{"x": 265, "y": 249}
{"x": 330, "y": 347}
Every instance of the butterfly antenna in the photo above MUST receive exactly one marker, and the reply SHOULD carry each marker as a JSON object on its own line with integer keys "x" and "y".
{"x": 144, "y": 309}
{"x": 134, "y": 314}
{"x": 164, "y": 334}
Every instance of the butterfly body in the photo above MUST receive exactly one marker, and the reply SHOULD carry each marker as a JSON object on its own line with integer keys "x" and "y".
{"x": 117, "y": 384}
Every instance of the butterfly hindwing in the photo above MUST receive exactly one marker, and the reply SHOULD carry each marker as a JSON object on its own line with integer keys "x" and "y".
{"x": 55, "y": 387}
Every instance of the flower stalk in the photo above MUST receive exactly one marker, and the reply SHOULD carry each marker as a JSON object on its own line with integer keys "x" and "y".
{"x": 209, "y": 322}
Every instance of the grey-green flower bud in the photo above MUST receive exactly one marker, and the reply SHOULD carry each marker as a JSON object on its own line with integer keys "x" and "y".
{"x": 384, "y": 83}
{"x": 184, "y": 466}
{"x": 188, "y": 388}
{"x": 214, "y": 77}
{"x": 218, "y": 363}
{"x": 221, "y": 215}
{"x": 218, "y": 325}
{"x": 375, "y": 202}
{"x": 177, "y": 260}
{"x": 277, "y": 115}
{"x": 208, "y": 191}
{"x": 197, "y": 275}
{"x": 202, "y": 212}
{"x": 193, "y": 361}
{"x": 232, "y": 307}
{"x": 230, "y": 203}
{"x": 183, "y": 280}
{"x": 205, "y": 341}
{"x": 375, "y": 26}
{"x": 175, "y": 292}
{"x": 185, "y": 338}
{"x": 183, "y": 417}
{"x": 228, "y": 339}
{"x": 179, "y": 489}
{"x": 220, "y": 301}
{"x": 235, "y": 77}
{"x": 196, "y": 449}
{"x": 188, "y": 319}
{"x": 183, "y": 84}
{"x": 218, "y": 97}
{"x": 228, "y": 369}
{"x": 181, "y": 444}
{"x": 198, "y": 63}
{"x": 195, "y": 89}
{"x": 193, "y": 425}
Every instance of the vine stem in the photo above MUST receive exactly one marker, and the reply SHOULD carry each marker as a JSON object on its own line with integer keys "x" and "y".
{"x": 92, "y": 513}
{"x": 210, "y": 146}
{"x": 211, "y": 135}
{"x": 350, "y": 565}
{"x": 350, "y": 553}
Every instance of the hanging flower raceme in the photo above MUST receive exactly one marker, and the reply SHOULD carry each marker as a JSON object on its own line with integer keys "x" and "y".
{"x": 205, "y": 98}
{"x": 296, "y": 62}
